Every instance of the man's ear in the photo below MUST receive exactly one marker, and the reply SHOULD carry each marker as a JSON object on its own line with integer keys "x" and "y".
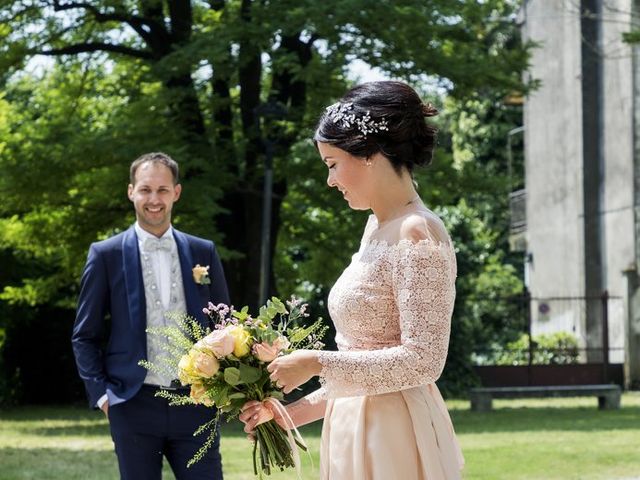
{"x": 130, "y": 192}
{"x": 178, "y": 191}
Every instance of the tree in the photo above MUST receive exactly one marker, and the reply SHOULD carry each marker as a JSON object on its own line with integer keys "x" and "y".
{"x": 212, "y": 64}
{"x": 188, "y": 78}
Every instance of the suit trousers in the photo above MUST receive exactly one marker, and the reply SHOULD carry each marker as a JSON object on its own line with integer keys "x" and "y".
{"x": 145, "y": 428}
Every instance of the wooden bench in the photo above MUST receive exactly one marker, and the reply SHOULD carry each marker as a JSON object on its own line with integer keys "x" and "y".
{"x": 608, "y": 395}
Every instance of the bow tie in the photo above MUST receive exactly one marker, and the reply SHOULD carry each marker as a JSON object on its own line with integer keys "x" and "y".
{"x": 154, "y": 244}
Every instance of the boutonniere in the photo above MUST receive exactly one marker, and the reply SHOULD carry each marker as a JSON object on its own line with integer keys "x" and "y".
{"x": 201, "y": 275}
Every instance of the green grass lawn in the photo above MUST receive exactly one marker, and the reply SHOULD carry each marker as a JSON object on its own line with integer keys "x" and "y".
{"x": 521, "y": 439}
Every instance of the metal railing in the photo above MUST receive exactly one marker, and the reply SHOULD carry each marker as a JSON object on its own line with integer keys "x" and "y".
{"x": 592, "y": 348}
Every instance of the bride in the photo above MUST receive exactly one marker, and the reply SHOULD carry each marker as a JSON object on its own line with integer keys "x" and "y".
{"x": 384, "y": 417}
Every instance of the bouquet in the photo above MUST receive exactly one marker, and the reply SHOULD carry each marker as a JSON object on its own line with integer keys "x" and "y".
{"x": 227, "y": 366}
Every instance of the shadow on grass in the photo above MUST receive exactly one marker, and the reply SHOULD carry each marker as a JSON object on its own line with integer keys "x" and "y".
{"x": 586, "y": 419}
{"x": 29, "y": 413}
{"x": 18, "y": 464}
{"x": 56, "y": 421}
{"x": 70, "y": 430}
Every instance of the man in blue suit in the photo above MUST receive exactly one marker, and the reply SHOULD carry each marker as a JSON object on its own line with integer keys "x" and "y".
{"x": 130, "y": 282}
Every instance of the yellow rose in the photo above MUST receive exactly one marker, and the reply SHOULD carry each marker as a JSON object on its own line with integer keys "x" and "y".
{"x": 187, "y": 372}
{"x": 199, "y": 395}
{"x": 196, "y": 365}
{"x": 206, "y": 365}
{"x": 241, "y": 341}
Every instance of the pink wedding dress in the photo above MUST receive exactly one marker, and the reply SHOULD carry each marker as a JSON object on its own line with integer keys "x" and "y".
{"x": 385, "y": 418}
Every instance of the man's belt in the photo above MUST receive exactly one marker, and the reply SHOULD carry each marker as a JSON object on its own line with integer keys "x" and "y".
{"x": 174, "y": 386}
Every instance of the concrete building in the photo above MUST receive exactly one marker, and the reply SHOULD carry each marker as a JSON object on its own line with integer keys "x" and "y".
{"x": 582, "y": 164}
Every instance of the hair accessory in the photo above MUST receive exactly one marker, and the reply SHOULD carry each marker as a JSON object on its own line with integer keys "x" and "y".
{"x": 342, "y": 114}
{"x": 429, "y": 110}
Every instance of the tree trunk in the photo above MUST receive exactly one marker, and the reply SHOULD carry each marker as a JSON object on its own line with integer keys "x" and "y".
{"x": 185, "y": 108}
{"x": 184, "y": 99}
{"x": 242, "y": 226}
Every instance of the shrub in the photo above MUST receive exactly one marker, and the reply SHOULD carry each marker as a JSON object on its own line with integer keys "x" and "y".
{"x": 560, "y": 348}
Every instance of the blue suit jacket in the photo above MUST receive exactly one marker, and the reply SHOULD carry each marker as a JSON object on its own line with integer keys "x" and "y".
{"x": 111, "y": 286}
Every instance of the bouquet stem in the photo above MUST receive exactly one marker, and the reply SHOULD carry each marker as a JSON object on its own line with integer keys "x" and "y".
{"x": 272, "y": 448}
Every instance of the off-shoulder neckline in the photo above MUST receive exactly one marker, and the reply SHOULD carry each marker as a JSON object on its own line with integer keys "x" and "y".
{"x": 403, "y": 241}
{"x": 424, "y": 212}
{"x": 408, "y": 243}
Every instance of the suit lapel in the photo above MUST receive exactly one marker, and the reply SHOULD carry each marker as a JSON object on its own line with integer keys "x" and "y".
{"x": 133, "y": 281}
{"x": 194, "y": 307}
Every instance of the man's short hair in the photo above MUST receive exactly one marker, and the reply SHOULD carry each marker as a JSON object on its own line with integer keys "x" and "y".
{"x": 155, "y": 157}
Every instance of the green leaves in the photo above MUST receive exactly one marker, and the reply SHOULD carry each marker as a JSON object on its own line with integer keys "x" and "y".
{"x": 560, "y": 348}
{"x": 298, "y": 334}
{"x": 249, "y": 374}
{"x": 245, "y": 374}
{"x": 242, "y": 314}
{"x": 631, "y": 37}
{"x": 269, "y": 311}
{"x": 232, "y": 376}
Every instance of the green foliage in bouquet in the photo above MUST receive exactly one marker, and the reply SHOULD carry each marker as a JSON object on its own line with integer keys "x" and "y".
{"x": 226, "y": 366}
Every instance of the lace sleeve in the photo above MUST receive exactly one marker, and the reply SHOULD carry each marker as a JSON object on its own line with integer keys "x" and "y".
{"x": 423, "y": 276}
{"x": 317, "y": 396}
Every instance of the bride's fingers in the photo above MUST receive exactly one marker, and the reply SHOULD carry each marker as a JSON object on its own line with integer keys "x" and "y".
{"x": 249, "y": 420}
{"x": 250, "y": 404}
{"x": 249, "y": 409}
{"x": 273, "y": 365}
{"x": 249, "y": 414}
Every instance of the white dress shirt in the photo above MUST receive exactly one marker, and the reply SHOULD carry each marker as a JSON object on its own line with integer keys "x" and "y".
{"x": 160, "y": 260}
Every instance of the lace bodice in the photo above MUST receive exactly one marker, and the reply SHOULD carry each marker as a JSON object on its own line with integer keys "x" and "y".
{"x": 392, "y": 311}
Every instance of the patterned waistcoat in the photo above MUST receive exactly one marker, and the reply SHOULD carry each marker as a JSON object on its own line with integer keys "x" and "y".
{"x": 157, "y": 314}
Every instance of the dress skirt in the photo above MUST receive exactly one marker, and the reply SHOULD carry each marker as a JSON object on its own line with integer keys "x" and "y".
{"x": 404, "y": 435}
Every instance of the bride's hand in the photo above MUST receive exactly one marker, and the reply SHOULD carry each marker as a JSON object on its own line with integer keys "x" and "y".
{"x": 290, "y": 371}
{"x": 253, "y": 413}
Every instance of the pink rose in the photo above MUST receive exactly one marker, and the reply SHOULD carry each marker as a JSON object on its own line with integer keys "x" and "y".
{"x": 206, "y": 365}
{"x": 266, "y": 352}
{"x": 219, "y": 342}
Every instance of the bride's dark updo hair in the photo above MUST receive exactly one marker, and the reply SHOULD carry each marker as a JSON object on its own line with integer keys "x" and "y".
{"x": 386, "y": 117}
